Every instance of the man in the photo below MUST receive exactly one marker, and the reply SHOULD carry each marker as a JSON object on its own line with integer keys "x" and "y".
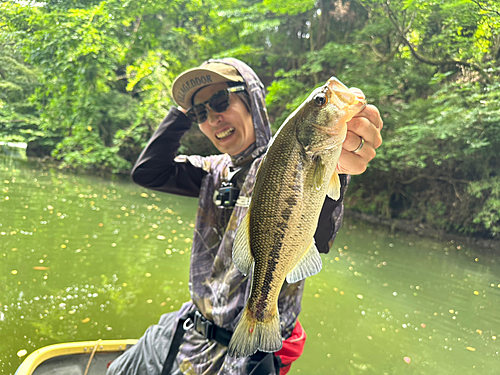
{"x": 226, "y": 98}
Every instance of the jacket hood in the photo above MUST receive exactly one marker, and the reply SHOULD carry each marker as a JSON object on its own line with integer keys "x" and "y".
{"x": 256, "y": 91}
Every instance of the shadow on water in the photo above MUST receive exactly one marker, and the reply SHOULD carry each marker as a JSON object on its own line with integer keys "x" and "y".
{"x": 86, "y": 258}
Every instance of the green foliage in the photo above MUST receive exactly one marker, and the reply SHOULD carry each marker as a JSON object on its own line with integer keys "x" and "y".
{"x": 488, "y": 190}
{"x": 106, "y": 69}
{"x": 289, "y": 8}
{"x": 18, "y": 116}
{"x": 90, "y": 80}
{"x": 282, "y": 98}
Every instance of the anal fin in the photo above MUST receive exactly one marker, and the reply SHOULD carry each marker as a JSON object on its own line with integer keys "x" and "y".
{"x": 310, "y": 264}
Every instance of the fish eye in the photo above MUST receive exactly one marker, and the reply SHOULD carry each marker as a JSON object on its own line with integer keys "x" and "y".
{"x": 320, "y": 100}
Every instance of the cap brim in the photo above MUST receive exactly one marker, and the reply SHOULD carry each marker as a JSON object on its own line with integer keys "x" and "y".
{"x": 189, "y": 82}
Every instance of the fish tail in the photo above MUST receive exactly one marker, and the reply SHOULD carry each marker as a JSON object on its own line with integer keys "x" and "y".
{"x": 251, "y": 335}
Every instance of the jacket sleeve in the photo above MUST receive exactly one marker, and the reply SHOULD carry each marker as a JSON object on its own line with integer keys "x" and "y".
{"x": 156, "y": 167}
{"x": 330, "y": 218}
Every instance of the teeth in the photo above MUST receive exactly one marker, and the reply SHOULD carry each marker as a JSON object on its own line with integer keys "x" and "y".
{"x": 224, "y": 133}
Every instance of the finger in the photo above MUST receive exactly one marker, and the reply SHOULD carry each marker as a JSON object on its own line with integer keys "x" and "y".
{"x": 367, "y": 151}
{"x": 363, "y": 128}
{"x": 351, "y": 163}
{"x": 372, "y": 114}
{"x": 352, "y": 141}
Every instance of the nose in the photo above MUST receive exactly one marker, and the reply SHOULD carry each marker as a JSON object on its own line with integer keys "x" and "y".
{"x": 213, "y": 118}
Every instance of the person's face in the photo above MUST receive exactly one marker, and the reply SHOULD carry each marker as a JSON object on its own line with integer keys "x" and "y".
{"x": 230, "y": 131}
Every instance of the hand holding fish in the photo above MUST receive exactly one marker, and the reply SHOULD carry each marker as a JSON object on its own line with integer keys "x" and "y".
{"x": 275, "y": 240}
{"x": 366, "y": 125}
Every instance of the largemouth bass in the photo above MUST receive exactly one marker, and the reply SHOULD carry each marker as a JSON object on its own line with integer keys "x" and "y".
{"x": 276, "y": 237}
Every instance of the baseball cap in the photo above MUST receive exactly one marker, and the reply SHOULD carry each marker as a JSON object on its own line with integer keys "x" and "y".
{"x": 189, "y": 82}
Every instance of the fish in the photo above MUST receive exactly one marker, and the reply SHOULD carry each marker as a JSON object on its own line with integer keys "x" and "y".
{"x": 275, "y": 240}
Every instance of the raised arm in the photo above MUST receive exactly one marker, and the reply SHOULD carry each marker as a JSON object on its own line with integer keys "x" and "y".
{"x": 156, "y": 167}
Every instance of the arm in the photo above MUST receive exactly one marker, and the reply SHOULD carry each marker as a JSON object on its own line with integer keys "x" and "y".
{"x": 156, "y": 168}
{"x": 330, "y": 218}
{"x": 367, "y": 125}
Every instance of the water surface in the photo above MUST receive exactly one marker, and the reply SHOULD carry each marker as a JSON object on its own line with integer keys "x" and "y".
{"x": 85, "y": 258}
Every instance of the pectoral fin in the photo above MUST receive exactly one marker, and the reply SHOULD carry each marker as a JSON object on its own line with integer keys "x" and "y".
{"x": 310, "y": 264}
{"x": 242, "y": 254}
{"x": 334, "y": 187}
{"x": 319, "y": 173}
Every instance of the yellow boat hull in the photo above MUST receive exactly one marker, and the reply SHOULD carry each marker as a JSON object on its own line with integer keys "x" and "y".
{"x": 86, "y": 357}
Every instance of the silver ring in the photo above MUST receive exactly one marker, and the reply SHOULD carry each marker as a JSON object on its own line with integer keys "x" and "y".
{"x": 361, "y": 144}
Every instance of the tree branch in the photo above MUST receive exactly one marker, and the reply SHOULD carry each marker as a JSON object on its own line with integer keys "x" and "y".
{"x": 423, "y": 59}
{"x": 12, "y": 121}
{"x": 485, "y": 9}
{"x": 441, "y": 178}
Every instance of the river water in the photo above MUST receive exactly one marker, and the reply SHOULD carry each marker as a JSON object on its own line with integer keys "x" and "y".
{"x": 84, "y": 258}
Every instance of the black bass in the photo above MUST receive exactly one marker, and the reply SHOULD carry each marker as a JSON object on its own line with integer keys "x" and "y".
{"x": 276, "y": 237}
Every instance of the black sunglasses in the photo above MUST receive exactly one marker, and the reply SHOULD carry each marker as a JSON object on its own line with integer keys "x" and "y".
{"x": 219, "y": 102}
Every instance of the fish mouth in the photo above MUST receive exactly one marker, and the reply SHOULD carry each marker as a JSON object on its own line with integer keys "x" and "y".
{"x": 345, "y": 95}
{"x": 225, "y": 133}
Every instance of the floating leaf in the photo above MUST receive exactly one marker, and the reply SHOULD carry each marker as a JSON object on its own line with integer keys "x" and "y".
{"x": 41, "y": 268}
{"x": 22, "y": 353}
{"x": 86, "y": 320}
{"x": 407, "y": 359}
{"x": 471, "y": 349}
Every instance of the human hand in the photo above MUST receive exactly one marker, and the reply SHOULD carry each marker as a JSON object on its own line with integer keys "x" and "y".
{"x": 366, "y": 125}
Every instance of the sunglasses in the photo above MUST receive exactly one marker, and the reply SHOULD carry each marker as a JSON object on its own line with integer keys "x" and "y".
{"x": 219, "y": 102}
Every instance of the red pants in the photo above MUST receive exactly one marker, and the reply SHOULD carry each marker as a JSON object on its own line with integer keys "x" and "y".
{"x": 292, "y": 348}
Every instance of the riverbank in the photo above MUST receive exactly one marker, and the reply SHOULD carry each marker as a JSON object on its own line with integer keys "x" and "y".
{"x": 423, "y": 230}
{"x": 407, "y": 226}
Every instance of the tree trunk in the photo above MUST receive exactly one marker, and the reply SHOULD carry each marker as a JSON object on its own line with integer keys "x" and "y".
{"x": 323, "y": 23}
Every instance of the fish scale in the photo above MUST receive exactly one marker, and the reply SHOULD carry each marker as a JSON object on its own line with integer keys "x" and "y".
{"x": 276, "y": 237}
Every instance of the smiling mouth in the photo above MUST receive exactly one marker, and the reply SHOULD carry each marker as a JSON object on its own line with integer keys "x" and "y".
{"x": 225, "y": 133}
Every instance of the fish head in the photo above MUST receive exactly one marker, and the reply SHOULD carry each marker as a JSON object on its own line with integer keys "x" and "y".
{"x": 325, "y": 113}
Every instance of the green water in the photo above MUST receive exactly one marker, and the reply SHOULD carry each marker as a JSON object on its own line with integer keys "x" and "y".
{"x": 84, "y": 258}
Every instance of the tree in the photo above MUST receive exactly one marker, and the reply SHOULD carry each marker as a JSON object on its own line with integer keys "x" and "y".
{"x": 18, "y": 81}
